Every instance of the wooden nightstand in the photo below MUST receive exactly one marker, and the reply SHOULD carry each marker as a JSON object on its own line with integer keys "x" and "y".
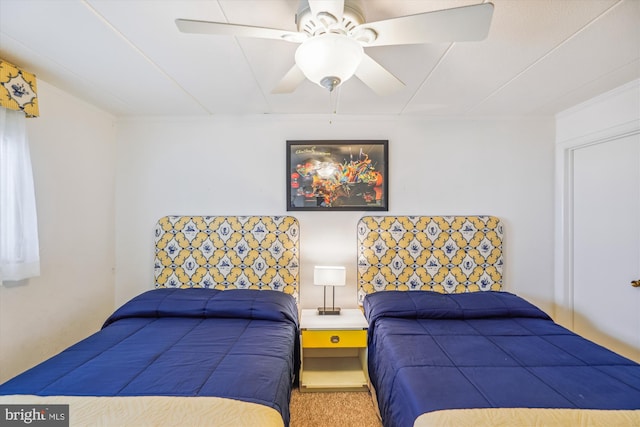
{"x": 333, "y": 351}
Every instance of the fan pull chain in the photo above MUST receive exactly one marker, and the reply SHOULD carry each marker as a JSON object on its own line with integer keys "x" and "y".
{"x": 333, "y": 104}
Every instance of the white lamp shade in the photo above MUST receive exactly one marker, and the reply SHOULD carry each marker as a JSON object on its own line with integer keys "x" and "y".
{"x": 329, "y": 276}
{"x": 329, "y": 55}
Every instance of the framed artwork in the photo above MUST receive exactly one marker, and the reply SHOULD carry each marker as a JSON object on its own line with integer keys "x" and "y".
{"x": 348, "y": 175}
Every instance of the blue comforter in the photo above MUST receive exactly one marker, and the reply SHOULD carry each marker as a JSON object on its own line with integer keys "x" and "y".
{"x": 430, "y": 351}
{"x": 238, "y": 344}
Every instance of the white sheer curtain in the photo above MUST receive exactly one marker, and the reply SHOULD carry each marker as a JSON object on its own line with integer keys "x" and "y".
{"x": 19, "y": 249}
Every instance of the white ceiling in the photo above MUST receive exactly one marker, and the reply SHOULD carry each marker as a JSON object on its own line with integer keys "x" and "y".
{"x": 128, "y": 57}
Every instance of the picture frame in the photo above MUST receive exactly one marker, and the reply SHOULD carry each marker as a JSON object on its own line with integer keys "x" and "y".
{"x": 337, "y": 175}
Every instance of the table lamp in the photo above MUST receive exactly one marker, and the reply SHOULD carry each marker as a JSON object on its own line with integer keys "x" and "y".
{"x": 329, "y": 276}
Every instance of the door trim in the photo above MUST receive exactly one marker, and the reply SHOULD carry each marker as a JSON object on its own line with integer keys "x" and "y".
{"x": 563, "y": 269}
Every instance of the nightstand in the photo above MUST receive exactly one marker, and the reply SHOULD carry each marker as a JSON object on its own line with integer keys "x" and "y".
{"x": 333, "y": 351}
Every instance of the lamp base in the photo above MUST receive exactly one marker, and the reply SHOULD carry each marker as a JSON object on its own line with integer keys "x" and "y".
{"x": 326, "y": 311}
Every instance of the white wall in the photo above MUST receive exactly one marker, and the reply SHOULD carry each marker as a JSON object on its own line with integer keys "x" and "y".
{"x": 73, "y": 155}
{"x": 606, "y": 115}
{"x": 236, "y": 166}
{"x": 95, "y": 181}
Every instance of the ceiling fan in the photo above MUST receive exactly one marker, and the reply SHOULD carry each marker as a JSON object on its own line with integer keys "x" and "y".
{"x": 333, "y": 33}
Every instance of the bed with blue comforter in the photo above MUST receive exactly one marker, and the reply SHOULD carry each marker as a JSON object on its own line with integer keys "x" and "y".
{"x": 234, "y": 346}
{"x": 493, "y": 358}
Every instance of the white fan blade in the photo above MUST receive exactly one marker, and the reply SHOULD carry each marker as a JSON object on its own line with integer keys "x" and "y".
{"x": 378, "y": 78}
{"x": 334, "y": 7}
{"x": 290, "y": 81}
{"x": 466, "y": 23}
{"x": 220, "y": 28}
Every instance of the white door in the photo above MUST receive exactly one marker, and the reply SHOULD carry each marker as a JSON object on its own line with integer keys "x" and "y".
{"x": 606, "y": 244}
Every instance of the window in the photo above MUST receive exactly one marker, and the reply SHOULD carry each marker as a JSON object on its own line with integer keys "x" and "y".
{"x": 19, "y": 249}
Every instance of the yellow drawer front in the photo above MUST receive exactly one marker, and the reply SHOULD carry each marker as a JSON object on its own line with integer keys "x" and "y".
{"x": 330, "y": 339}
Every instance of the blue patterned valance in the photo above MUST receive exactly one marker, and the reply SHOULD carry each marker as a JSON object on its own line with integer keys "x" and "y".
{"x": 18, "y": 90}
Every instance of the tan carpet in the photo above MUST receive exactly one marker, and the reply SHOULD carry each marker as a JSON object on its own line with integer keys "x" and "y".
{"x": 341, "y": 409}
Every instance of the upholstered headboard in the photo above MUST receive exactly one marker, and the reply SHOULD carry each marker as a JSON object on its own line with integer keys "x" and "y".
{"x": 451, "y": 254}
{"x": 228, "y": 252}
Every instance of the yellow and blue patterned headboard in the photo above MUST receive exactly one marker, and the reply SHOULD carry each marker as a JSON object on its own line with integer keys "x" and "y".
{"x": 228, "y": 252}
{"x": 448, "y": 254}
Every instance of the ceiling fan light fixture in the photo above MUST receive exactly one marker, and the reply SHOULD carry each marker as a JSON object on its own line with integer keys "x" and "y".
{"x": 330, "y": 83}
{"x": 365, "y": 35}
{"x": 329, "y": 59}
